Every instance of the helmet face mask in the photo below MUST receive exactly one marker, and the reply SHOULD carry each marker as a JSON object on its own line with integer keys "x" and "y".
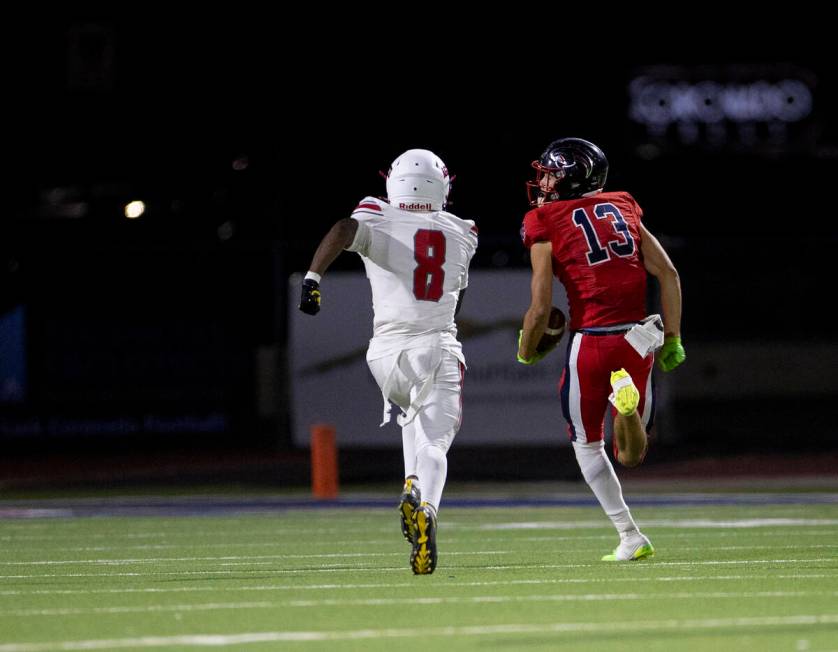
{"x": 418, "y": 181}
{"x": 568, "y": 169}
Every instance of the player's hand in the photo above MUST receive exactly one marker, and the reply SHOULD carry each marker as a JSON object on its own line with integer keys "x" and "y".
{"x": 310, "y": 299}
{"x": 672, "y": 353}
{"x": 535, "y": 357}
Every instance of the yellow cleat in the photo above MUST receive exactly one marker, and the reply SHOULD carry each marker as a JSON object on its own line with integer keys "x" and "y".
{"x": 625, "y": 396}
{"x": 423, "y": 555}
{"x": 408, "y": 504}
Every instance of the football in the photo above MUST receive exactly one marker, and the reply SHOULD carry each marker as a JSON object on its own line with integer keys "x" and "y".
{"x": 556, "y": 325}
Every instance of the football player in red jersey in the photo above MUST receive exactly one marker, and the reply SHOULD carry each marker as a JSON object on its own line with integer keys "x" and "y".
{"x": 596, "y": 245}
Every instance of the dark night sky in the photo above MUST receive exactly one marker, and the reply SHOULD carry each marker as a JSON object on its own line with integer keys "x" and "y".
{"x": 181, "y": 101}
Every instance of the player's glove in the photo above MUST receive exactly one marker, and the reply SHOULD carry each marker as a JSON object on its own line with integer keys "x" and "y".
{"x": 671, "y": 354}
{"x": 535, "y": 357}
{"x": 310, "y": 299}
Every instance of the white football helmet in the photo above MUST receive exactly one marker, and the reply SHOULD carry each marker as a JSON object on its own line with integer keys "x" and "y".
{"x": 418, "y": 181}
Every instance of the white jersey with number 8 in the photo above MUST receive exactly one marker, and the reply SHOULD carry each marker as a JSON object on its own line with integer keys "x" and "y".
{"x": 417, "y": 264}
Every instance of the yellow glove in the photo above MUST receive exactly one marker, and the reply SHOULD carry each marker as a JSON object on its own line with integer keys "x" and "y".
{"x": 537, "y": 356}
{"x": 672, "y": 353}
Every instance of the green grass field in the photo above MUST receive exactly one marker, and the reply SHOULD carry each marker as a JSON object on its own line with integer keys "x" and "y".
{"x": 726, "y": 577}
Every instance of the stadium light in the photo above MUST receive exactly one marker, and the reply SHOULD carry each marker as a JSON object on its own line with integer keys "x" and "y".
{"x": 134, "y": 209}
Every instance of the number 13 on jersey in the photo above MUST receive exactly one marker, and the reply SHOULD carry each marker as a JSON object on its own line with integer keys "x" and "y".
{"x": 622, "y": 245}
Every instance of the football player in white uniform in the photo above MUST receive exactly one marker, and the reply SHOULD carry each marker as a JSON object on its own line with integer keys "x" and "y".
{"x": 416, "y": 257}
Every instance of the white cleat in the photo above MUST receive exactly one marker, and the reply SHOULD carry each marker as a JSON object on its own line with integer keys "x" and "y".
{"x": 632, "y": 547}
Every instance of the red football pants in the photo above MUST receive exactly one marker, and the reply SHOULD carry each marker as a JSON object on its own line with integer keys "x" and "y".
{"x": 586, "y": 382}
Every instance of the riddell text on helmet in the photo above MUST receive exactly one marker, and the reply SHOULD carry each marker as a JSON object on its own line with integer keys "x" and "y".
{"x": 415, "y": 206}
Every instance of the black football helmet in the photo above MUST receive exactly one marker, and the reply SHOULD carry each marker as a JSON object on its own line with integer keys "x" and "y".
{"x": 579, "y": 166}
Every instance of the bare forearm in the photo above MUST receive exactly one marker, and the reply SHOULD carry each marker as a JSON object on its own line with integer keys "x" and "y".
{"x": 535, "y": 321}
{"x": 670, "y": 287}
{"x": 336, "y": 240}
{"x": 541, "y": 288}
{"x": 659, "y": 265}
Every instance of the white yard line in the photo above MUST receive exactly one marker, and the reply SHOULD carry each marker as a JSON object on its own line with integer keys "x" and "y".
{"x": 658, "y": 564}
{"x": 232, "y": 560}
{"x": 679, "y": 523}
{"x": 355, "y": 570}
{"x": 410, "y": 584}
{"x": 242, "y": 558}
{"x": 281, "y": 530}
{"x": 449, "y": 540}
{"x": 221, "y": 640}
{"x": 425, "y": 600}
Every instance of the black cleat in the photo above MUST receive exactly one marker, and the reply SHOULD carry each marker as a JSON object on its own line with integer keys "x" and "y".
{"x": 423, "y": 556}
{"x": 409, "y": 503}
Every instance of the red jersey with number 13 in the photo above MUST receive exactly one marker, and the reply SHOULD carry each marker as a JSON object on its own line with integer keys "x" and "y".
{"x": 596, "y": 255}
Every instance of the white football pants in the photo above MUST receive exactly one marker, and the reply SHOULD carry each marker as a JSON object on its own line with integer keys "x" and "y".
{"x": 426, "y": 383}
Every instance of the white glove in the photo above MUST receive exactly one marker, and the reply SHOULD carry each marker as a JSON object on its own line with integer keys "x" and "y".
{"x": 647, "y": 336}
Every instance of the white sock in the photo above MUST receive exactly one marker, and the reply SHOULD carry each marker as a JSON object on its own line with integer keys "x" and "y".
{"x": 409, "y": 449}
{"x": 432, "y": 468}
{"x": 599, "y": 474}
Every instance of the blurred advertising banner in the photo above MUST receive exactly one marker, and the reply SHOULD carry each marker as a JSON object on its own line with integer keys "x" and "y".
{"x": 504, "y": 402}
{"x": 748, "y": 109}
